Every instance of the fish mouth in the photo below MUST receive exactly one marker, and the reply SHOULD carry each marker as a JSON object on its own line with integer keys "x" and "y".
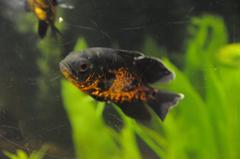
{"x": 66, "y": 71}
{"x": 63, "y": 67}
{"x": 68, "y": 74}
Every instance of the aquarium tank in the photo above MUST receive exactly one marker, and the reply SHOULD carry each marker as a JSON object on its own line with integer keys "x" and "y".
{"x": 44, "y": 116}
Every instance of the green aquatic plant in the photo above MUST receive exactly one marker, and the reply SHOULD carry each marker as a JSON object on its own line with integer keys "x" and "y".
{"x": 20, "y": 154}
{"x": 203, "y": 125}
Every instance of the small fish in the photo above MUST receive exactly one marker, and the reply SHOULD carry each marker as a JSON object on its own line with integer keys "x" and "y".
{"x": 45, "y": 11}
{"x": 121, "y": 77}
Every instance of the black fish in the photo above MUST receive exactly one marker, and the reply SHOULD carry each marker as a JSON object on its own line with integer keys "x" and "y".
{"x": 121, "y": 77}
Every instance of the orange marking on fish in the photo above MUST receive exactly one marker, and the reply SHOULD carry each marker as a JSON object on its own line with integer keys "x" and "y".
{"x": 116, "y": 92}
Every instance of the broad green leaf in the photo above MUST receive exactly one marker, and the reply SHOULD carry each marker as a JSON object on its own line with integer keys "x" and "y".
{"x": 92, "y": 138}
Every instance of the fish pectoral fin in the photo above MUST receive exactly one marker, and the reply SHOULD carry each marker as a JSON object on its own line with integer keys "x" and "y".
{"x": 42, "y": 28}
{"x": 135, "y": 110}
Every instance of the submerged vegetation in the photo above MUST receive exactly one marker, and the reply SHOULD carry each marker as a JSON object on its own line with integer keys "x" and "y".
{"x": 204, "y": 125}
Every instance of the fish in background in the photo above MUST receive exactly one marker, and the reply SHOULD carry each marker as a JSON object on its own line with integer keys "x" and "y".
{"x": 45, "y": 11}
{"x": 122, "y": 77}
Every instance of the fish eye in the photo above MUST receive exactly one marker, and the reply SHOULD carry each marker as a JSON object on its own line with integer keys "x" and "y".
{"x": 83, "y": 67}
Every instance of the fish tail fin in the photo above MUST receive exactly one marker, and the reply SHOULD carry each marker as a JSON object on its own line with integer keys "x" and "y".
{"x": 163, "y": 101}
{"x": 42, "y": 28}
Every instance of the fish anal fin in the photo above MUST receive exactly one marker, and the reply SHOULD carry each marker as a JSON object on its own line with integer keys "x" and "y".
{"x": 135, "y": 110}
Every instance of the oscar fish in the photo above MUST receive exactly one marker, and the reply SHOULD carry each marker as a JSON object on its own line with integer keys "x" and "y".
{"x": 45, "y": 11}
{"x": 122, "y": 77}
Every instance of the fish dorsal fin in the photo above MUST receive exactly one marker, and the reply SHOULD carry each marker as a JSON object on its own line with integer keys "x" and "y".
{"x": 150, "y": 69}
{"x": 153, "y": 70}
